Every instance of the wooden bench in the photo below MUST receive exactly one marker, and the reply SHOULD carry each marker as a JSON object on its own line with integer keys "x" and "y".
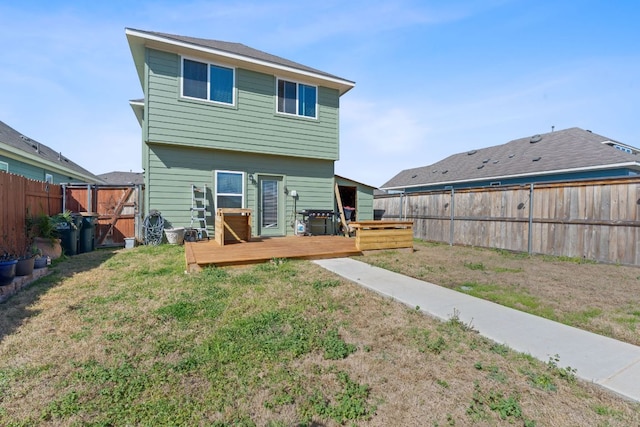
{"x": 232, "y": 225}
{"x": 376, "y": 235}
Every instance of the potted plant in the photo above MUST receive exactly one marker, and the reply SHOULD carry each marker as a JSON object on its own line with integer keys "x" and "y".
{"x": 26, "y": 262}
{"x": 42, "y": 229}
{"x": 8, "y": 261}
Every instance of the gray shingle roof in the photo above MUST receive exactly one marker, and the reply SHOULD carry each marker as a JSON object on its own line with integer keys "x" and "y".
{"x": 122, "y": 178}
{"x": 561, "y": 151}
{"x": 239, "y": 49}
{"x": 15, "y": 139}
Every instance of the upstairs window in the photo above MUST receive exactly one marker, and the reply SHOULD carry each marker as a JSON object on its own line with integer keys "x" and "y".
{"x": 207, "y": 81}
{"x": 48, "y": 178}
{"x": 297, "y": 98}
{"x": 4, "y": 166}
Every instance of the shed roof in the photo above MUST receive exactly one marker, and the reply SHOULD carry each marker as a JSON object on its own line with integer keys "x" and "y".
{"x": 231, "y": 51}
{"x": 564, "y": 151}
{"x": 122, "y": 178}
{"x": 30, "y": 149}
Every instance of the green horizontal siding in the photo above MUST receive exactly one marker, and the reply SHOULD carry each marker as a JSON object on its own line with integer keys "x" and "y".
{"x": 172, "y": 170}
{"x": 35, "y": 172}
{"x": 252, "y": 125}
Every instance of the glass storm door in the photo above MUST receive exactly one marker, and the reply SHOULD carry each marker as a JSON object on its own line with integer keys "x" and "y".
{"x": 271, "y": 206}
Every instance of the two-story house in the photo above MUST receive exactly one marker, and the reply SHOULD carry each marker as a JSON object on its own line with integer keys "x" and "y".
{"x": 260, "y": 131}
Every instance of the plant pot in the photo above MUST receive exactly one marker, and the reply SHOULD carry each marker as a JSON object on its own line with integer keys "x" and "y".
{"x": 49, "y": 247}
{"x": 24, "y": 267}
{"x": 175, "y": 236}
{"x": 40, "y": 262}
{"x": 7, "y": 271}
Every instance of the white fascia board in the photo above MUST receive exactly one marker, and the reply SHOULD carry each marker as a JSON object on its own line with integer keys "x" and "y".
{"x": 632, "y": 165}
{"x": 344, "y": 85}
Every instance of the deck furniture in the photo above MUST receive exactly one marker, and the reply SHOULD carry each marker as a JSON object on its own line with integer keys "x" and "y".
{"x": 233, "y": 225}
{"x": 375, "y": 235}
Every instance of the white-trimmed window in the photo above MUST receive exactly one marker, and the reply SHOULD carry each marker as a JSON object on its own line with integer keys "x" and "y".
{"x": 209, "y": 82}
{"x": 229, "y": 189}
{"x": 297, "y": 98}
{"x": 4, "y": 166}
{"x": 48, "y": 178}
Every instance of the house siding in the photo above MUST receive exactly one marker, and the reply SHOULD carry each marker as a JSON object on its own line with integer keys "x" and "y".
{"x": 251, "y": 125}
{"x": 35, "y": 172}
{"x": 173, "y": 169}
{"x": 577, "y": 176}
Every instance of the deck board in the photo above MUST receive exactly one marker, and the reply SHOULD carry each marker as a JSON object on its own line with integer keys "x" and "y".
{"x": 209, "y": 253}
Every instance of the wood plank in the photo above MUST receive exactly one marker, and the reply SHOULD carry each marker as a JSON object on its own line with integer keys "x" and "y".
{"x": 209, "y": 253}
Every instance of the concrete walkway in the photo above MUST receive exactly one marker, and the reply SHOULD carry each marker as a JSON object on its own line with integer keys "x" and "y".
{"x": 612, "y": 364}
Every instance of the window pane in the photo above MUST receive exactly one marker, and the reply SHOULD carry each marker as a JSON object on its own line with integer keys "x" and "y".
{"x": 221, "y": 84}
{"x": 194, "y": 79}
{"x": 269, "y": 203}
{"x": 307, "y": 102}
{"x": 229, "y": 202}
{"x": 229, "y": 183}
{"x": 286, "y": 97}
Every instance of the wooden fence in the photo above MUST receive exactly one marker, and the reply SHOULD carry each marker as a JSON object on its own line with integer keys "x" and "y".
{"x": 20, "y": 197}
{"x": 118, "y": 210}
{"x": 596, "y": 220}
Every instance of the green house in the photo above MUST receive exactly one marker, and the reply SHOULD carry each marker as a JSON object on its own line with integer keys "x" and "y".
{"x": 251, "y": 129}
{"x": 27, "y": 157}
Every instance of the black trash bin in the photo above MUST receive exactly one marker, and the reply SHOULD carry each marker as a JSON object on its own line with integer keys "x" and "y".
{"x": 88, "y": 232}
{"x": 69, "y": 234}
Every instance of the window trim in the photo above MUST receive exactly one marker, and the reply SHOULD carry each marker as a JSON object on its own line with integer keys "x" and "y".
{"x": 48, "y": 177}
{"x": 215, "y": 186}
{"x": 208, "y": 98}
{"x": 297, "y": 83}
{"x": 4, "y": 166}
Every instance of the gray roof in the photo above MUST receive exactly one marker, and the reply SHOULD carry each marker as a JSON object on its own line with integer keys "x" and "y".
{"x": 122, "y": 178}
{"x": 239, "y": 49}
{"x": 15, "y": 139}
{"x": 568, "y": 150}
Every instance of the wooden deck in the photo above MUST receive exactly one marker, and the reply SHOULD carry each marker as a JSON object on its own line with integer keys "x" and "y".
{"x": 209, "y": 253}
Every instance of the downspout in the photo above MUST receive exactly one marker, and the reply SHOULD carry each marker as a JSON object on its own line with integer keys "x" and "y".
{"x": 64, "y": 197}
{"x": 401, "y": 205}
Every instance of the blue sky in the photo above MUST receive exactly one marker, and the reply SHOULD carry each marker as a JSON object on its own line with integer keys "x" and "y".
{"x": 433, "y": 78}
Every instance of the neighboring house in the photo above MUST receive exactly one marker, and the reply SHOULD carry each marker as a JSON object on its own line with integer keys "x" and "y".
{"x": 261, "y": 132}
{"x": 122, "y": 178}
{"x": 24, "y": 156}
{"x": 566, "y": 155}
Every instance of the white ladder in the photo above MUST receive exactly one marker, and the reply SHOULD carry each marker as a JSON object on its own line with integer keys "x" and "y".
{"x": 199, "y": 210}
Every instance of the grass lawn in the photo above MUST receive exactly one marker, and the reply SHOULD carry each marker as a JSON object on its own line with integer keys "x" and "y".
{"x": 601, "y": 298}
{"x": 116, "y": 338}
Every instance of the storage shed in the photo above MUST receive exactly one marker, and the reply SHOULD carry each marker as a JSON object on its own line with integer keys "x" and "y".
{"x": 357, "y": 196}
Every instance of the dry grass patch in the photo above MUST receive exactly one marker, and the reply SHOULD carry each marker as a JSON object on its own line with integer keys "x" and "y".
{"x": 601, "y": 298}
{"x": 126, "y": 338}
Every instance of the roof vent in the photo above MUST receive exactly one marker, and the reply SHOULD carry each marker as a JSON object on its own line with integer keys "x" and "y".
{"x": 535, "y": 138}
{"x": 413, "y": 176}
{"x": 480, "y": 167}
{"x": 486, "y": 161}
{"x": 25, "y": 138}
{"x": 495, "y": 162}
{"x": 535, "y": 159}
{"x": 445, "y": 171}
{"x": 511, "y": 156}
{"x": 472, "y": 152}
{"x": 434, "y": 171}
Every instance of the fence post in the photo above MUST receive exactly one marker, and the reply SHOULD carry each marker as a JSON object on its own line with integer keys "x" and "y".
{"x": 530, "y": 237}
{"x": 453, "y": 207}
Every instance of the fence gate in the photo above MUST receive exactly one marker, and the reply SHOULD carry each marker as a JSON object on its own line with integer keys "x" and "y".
{"x": 118, "y": 209}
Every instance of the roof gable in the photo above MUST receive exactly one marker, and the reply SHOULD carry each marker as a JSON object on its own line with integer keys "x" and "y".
{"x": 235, "y": 52}
{"x": 567, "y": 150}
